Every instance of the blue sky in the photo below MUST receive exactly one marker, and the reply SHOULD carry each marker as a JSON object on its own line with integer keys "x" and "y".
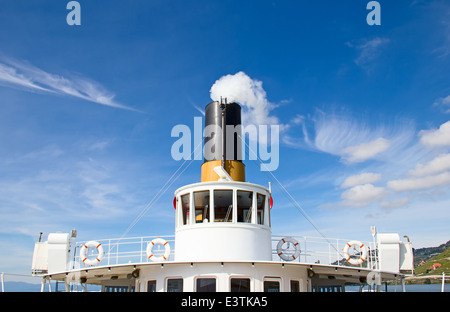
{"x": 86, "y": 113}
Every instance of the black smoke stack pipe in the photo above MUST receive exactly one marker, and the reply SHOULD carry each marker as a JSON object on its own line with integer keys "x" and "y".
{"x": 219, "y": 114}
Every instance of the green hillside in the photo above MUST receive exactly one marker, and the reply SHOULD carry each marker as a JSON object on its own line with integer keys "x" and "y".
{"x": 425, "y": 254}
{"x": 440, "y": 255}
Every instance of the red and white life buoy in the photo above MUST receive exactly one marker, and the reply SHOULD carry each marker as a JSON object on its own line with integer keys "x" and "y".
{"x": 84, "y": 249}
{"x": 154, "y": 242}
{"x": 282, "y": 252}
{"x": 361, "y": 258}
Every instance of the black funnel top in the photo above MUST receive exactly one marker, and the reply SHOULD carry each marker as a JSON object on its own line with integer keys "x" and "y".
{"x": 213, "y": 134}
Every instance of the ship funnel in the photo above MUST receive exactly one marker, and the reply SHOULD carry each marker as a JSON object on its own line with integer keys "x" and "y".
{"x": 223, "y": 146}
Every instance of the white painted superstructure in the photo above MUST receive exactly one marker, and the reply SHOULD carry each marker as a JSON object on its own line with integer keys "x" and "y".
{"x": 222, "y": 242}
{"x": 235, "y": 234}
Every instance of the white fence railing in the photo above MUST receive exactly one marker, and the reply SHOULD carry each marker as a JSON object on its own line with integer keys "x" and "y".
{"x": 317, "y": 250}
{"x": 313, "y": 250}
{"x": 123, "y": 250}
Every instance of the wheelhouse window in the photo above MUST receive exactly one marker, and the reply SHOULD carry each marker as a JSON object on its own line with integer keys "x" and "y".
{"x": 151, "y": 286}
{"x": 223, "y": 205}
{"x": 240, "y": 285}
{"x": 271, "y": 286}
{"x": 244, "y": 206}
{"x": 201, "y": 203}
{"x": 185, "y": 204}
{"x": 295, "y": 286}
{"x": 175, "y": 285}
{"x": 261, "y": 202}
{"x": 206, "y": 285}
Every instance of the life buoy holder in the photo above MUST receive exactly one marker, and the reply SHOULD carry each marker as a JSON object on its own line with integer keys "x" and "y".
{"x": 361, "y": 258}
{"x": 154, "y": 242}
{"x": 84, "y": 249}
{"x": 288, "y": 256}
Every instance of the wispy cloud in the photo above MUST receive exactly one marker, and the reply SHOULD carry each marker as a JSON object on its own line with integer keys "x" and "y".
{"x": 393, "y": 204}
{"x": 19, "y": 74}
{"x": 64, "y": 187}
{"x": 422, "y": 173}
{"x": 406, "y": 159}
{"x": 199, "y": 109}
{"x": 10, "y": 75}
{"x": 368, "y": 51}
{"x": 443, "y": 50}
{"x": 443, "y": 103}
{"x": 352, "y": 139}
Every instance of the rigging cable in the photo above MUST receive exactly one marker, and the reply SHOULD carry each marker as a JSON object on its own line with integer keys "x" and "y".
{"x": 291, "y": 199}
{"x": 161, "y": 192}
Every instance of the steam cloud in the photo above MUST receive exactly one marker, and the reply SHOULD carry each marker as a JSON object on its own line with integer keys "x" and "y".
{"x": 250, "y": 94}
{"x": 255, "y": 113}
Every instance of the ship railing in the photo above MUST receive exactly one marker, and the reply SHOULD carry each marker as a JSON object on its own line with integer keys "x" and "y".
{"x": 122, "y": 250}
{"x": 313, "y": 250}
{"x": 318, "y": 250}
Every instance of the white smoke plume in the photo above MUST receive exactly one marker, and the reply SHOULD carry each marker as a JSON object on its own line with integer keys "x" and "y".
{"x": 249, "y": 93}
{"x": 262, "y": 127}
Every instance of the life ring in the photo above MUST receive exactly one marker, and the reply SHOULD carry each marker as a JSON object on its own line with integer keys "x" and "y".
{"x": 288, "y": 256}
{"x": 361, "y": 258}
{"x": 166, "y": 254}
{"x": 83, "y": 253}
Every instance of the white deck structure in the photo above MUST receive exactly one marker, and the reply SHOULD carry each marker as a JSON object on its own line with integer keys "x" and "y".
{"x": 227, "y": 248}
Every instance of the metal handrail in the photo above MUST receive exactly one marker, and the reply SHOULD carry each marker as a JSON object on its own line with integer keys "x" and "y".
{"x": 313, "y": 250}
{"x": 123, "y": 250}
{"x": 329, "y": 251}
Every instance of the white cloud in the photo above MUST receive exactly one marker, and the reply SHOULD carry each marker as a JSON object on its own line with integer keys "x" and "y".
{"x": 363, "y": 195}
{"x": 10, "y": 75}
{"x": 421, "y": 183}
{"x": 50, "y": 187}
{"x": 443, "y": 103}
{"x": 19, "y": 74}
{"x": 354, "y": 140}
{"x": 369, "y": 50}
{"x": 436, "y": 137}
{"x": 51, "y": 151}
{"x": 298, "y": 119}
{"x": 335, "y": 132}
{"x": 437, "y": 165}
{"x": 363, "y": 178}
{"x": 364, "y": 151}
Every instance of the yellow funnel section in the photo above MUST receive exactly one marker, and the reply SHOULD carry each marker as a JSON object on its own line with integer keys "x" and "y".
{"x": 235, "y": 169}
